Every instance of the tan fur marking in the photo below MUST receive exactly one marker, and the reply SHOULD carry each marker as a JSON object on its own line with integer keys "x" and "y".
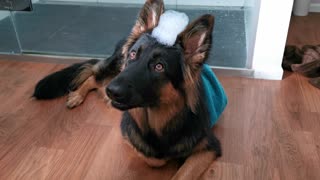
{"x": 138, "y": 142}
{"x": 139, "y": 115}
{"x": 102, "y": 93}
{"x": 171, "y": 102}
{"x": 198, "y": 58}
{"x": 195, "y": 166}
{"x": 76, "y": 97}
{"x": 202, "y": 36}
{"x": 191, "y": 83}
{"x": 154, "y": 19}
{"x": 191, "y": 76}
{"x": 152, "y": 162}
{"x": 202, "y": 145}
{"x": 86, "y": 71}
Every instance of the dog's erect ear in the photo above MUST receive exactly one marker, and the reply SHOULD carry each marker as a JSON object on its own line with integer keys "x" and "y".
{"x": 196, "y": 40}
{"x": 148, "y": 19}
{"x": 149, "y": 16}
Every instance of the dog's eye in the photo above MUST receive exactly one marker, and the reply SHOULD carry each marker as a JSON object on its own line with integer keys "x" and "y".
{"x": 159, "y": 67}
{"x": 132, "y": 55}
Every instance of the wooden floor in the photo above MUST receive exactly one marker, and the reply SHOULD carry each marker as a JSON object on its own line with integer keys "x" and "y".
{"x": 270, "y": 130}
{"x": 304, "y": 30}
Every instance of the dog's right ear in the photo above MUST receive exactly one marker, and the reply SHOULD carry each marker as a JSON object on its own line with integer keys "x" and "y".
{"x": 147, "y": 20}
{"x": 149, "y": 16}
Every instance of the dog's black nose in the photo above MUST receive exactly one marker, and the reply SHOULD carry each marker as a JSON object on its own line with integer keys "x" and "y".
{"x": 115, "y": 92}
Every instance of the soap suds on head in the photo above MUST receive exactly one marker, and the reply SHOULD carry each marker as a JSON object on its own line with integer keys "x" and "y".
{"x": 171, "y": 24}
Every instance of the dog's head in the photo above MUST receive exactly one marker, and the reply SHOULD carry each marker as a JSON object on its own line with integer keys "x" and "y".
{"x": 155, "y": 74}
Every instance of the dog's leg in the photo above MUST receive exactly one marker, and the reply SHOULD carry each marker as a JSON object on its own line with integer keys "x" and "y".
{"x": 199, "y": 161}
{"x": 76, "y": 97}
{"x": 95, "y": 77}
{"x": 195, "y": 166}
{"x": 153, "y": 162}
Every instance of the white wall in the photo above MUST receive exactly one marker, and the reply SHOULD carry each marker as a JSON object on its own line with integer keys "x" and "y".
{"x": 274, "y": 19}
{"x": 315, "y": 7}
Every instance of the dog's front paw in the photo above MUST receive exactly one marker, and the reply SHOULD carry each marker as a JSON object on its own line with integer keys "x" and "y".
{"x": 74, "y": 99}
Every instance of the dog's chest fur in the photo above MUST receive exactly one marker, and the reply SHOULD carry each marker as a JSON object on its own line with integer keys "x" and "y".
{"x": 176, "y": 138}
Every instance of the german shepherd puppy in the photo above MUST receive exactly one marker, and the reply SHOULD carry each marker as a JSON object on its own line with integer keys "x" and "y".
{"x": 158, "y": 88}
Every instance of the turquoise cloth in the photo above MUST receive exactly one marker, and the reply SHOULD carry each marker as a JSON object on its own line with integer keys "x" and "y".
{"x": 216, "y": 97}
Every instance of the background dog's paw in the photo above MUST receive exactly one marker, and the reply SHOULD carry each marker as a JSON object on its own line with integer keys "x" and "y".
{"x": 74, "y": 99}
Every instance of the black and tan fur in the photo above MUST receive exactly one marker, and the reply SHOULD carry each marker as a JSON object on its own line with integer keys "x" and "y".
{"x": 157, "y": 87}
{"x": 305, "y": 61}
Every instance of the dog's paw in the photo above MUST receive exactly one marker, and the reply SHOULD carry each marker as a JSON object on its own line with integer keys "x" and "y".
{"x": 74, "y": 99}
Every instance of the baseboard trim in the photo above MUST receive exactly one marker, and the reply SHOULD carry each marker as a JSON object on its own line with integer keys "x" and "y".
{"x": 314, "y": 7}
{"x": 42, "y": 58}
{"x": 223, "y": 71}
{"x": 248, "y": 73}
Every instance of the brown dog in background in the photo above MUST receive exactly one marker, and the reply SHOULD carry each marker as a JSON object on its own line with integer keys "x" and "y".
{"x": 305, "y": 61}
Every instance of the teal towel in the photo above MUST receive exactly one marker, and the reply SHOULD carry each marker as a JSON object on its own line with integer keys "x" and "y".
{"x": 216, "y": 97}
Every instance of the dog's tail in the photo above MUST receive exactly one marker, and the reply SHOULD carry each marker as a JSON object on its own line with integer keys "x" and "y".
{"x": 61, "y": 82}
{"x": 69, "y": 79}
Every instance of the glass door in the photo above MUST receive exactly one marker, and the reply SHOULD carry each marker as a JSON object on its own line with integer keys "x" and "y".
{"x": 91, "y": 28}
{"x": 229, "y": 34}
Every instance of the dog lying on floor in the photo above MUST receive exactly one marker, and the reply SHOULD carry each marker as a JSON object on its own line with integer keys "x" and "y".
{"x": 158, "y": 78}
{"x": 305, "y": 61}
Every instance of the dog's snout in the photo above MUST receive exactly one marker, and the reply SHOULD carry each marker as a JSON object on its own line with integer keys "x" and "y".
{"x": 114, "y": 92}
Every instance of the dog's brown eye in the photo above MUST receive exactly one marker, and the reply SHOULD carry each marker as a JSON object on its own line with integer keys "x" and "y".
{"x": 158, "y": 67}
{"x": 132, "y": 55}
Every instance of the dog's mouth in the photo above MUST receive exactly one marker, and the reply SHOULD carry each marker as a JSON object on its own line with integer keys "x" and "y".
{"x": 120, "y": 106}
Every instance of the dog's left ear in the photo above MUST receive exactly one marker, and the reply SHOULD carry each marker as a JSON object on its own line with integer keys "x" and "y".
{"x": 196, "y": 40}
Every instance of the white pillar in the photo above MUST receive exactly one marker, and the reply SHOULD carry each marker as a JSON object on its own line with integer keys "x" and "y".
{"x": 274, "y": 18}
{"x": 301, "y": 7}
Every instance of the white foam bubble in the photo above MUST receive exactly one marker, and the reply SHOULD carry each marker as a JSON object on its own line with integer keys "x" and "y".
{"x": 171, "y": 24}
